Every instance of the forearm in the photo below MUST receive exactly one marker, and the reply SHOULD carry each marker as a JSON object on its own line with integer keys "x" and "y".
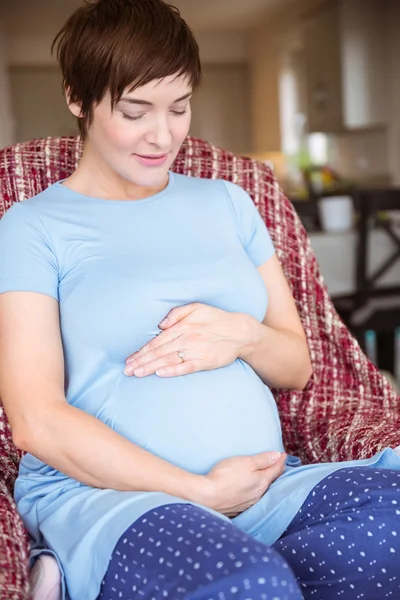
{"x": 84, "y": 448}
{"x": 280, "y": 358}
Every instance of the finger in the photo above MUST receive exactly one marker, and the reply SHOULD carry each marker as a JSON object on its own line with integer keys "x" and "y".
{"x": 178, "y": 314}
{"x": 165, "y": 351}
{"x": 274, "y": 471}
{"x": 150, "y": 350}
{"x": 149, "y": 367}
{"x": 185, "y": 368}
{"x": 152, "y": 345}
{"x": 265, "y": 459}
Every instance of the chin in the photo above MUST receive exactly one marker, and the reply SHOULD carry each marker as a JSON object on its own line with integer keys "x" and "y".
{"x": 153, "y": 178}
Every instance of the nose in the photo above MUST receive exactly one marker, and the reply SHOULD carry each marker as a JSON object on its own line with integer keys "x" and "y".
{"x": 159, "y": 133}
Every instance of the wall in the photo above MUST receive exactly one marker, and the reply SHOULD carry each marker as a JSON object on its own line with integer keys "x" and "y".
{"x": 265, "y": 110}
{"x": 215, "y": 47}
{"x": 31, "y": 25}
{"x": 43, "y": 111}
{"x": 223, "y": 47}
{"x": 221, "y": 109}
{"x": 363, "y": 49}
{"x": 7, "y": 134}
{"x": 393, "y": 27}
{"x": 371, "y": 58}
{"x": 278, "y": 32}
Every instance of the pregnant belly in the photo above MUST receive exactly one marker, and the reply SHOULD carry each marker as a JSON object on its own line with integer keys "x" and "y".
{"x": 196, "y": 420}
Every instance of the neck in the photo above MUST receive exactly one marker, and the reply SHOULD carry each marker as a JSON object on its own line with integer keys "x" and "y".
{"x": 94, "y": 178}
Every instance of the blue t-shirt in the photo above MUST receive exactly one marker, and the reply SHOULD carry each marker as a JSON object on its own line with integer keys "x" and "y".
{"x": 117, "y": 268}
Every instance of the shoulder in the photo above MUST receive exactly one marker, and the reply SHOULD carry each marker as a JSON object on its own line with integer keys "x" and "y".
{"x": 218, "y": 195}
{"x": 32, "y": 207}
{"x": 41, "y": 201}
{"x": 36, "y": 214}
{"x": 18, "y": 214}
{"x": 197, "y": 183}
{"x": 27, "y": 219}
{"x": 214, "y": 188}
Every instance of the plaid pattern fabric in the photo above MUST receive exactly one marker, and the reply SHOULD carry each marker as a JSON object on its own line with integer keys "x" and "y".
{"x": 13, "y": 550}
{"x": 347, "y": 411}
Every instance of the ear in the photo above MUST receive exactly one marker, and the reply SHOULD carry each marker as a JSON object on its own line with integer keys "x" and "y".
{"x": 74, "y": 107}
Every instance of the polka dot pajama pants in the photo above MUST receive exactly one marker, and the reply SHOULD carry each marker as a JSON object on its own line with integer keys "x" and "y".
{"x": 345, "y": 540}
{"x": 344, "y": 543}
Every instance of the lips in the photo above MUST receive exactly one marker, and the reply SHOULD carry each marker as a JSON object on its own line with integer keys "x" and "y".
{"x": 151, "y": 160}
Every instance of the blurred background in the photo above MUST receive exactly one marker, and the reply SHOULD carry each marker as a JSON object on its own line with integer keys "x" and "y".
{"x": 312, "y": 87}
{"x": 298, "y": 82}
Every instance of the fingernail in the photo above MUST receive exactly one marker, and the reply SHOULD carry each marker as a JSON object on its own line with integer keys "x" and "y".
{"x": 129, "y": 369}
{"x": 129, "y": 360}
{"x": 138, "y": 372}
{"x": 164, "y": 321}
{"x": 275, "y": 456}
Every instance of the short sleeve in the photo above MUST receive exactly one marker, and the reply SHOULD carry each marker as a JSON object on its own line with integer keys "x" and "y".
{"x": 255, "y": 236}
{"x": 27, "y": 259}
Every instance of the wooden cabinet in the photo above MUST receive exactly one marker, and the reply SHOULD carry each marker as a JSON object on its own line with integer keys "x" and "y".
{"x": 323, "y": 72}
{"x": 345, "y": 66}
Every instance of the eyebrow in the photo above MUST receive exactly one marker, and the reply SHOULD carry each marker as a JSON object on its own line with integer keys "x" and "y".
{"x": 146, "y": 103}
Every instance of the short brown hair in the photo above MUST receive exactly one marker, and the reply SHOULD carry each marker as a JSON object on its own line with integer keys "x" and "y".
{"x": 108, "y": 45}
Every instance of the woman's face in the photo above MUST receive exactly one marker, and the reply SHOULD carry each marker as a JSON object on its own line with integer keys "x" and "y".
{"x": 139, "y": 139}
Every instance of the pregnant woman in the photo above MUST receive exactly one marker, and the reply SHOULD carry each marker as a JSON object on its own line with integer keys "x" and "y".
{"x": 143, "y": 317}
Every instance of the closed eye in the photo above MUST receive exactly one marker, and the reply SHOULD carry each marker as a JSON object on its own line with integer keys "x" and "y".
{"x": 177, "y": 113}
{"x": 130, "y": 118}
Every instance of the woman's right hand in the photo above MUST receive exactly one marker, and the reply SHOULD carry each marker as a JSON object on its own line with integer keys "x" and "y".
{"x": 235, "y": 484}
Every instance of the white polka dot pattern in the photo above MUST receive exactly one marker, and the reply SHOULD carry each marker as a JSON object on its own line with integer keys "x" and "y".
{"x": 182, "y": 552}
{"x": 345, "y": 540}
{"x": 344, "y": 543}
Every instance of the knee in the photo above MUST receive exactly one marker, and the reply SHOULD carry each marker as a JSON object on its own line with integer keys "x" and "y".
{"x": 267, "y": 575}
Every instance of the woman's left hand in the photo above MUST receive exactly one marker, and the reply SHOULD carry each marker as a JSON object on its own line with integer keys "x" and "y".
{"x": 194, "y": 337}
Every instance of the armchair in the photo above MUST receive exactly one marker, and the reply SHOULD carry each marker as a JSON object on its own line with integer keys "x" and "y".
{"x": 348, "y": 409}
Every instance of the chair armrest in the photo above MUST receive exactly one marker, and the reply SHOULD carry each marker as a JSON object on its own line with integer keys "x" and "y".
{"x": 359, "y": 421}
{"x": 347, "y": 418}
{"x": 361, "y": 436}
{"x": 13, "y": 550}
